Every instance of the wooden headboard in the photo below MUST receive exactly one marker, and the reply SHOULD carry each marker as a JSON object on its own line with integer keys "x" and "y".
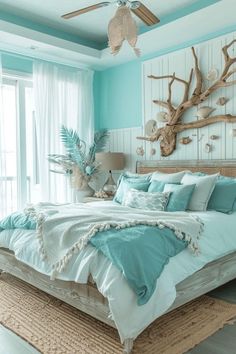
{"x": 224, "y": 167}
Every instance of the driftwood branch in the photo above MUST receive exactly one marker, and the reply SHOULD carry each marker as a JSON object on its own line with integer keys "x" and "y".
{"x": 228, "y": 118}
{"x": 162, "y": 104}
{"x": 167, "y": 134}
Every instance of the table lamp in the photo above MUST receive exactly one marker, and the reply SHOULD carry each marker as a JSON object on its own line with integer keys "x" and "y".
{"x": 110, "y": 161}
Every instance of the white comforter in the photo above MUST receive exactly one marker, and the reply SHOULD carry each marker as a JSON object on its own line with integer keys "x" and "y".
{"x": 218, "y": 239}
{"x": 65, "y": 229}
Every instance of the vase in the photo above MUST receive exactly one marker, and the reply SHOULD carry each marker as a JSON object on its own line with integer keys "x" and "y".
{"x": 84, "y": 192}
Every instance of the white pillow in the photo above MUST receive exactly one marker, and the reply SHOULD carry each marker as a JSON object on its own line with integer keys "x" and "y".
{"x": 168, "y": 177}
{"x": 202, "y": 192}
{"x": 147, "y": 201}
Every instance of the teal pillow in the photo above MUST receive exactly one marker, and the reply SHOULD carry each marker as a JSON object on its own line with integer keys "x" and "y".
{"x": 127, "y": 184}
{"x": 134, "y": 177}
{"x": 223, "y": 196}
{"x": 17, "y": 221}
{"x": 156, "y": 186}
{"x": 180, "y": 196}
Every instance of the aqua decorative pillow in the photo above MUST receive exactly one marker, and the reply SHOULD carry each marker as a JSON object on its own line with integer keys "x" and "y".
{"x": 202, "y": 192}
{"x": 147, "y": 201}
{"x": 17, "y": 221}
{"x": 156, "y": 186}
{"x": 126, "y": 184}
{"x": 180, "y": 196}
{"x": 224, "y": 178}
{"x": 223, "y": 196}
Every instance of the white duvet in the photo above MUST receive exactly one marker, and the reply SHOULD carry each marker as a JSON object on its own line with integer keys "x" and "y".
{"x": 217, "y": 240}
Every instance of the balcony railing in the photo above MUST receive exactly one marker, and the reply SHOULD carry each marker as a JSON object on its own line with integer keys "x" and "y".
{"x": 9, "y": 197}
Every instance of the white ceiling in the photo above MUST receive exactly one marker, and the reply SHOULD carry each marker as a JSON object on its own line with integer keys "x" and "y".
{"x": 180, "y": 32}
{"x": 92, "y": 25}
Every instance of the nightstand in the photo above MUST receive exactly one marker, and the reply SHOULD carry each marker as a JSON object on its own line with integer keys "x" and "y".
{"x": 95, "y": 199}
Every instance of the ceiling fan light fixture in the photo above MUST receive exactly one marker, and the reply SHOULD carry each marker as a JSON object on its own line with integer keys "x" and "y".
{"x": 144, "y": 13}
{"x": 122, "y": 3}
{"x": 85, "y": 10}
{"x": 120, "y": 28}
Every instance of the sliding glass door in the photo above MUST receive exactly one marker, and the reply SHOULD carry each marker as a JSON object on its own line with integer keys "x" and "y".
{"x": 18, "y": 153}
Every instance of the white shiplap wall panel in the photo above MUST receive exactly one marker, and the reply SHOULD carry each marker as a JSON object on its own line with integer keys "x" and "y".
{"x": 124, "y": 140}
{"x": 210, "y": 57}
{"x": 231, "y": 92}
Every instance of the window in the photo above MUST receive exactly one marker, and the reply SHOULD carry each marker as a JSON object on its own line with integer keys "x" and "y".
{"x": 19, "y": 151}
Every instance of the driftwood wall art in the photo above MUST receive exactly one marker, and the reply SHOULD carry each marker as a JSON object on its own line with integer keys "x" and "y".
{"x": 167, "y": 135}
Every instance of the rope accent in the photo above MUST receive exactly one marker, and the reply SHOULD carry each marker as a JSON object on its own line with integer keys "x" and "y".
{"x": 40, "y": 219}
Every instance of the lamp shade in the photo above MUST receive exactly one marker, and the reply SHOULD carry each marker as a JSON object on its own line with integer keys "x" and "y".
{"x": 111, "y": 160}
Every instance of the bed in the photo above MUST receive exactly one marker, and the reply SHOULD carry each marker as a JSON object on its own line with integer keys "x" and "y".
{"x": 209, "y": 273}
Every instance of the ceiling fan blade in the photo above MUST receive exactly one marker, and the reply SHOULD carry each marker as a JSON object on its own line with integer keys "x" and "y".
{"x": 144, "y": 13}
{"x": 85, "y": 9}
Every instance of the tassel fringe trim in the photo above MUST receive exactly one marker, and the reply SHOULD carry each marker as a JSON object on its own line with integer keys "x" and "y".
{"x": 60, "y": 266}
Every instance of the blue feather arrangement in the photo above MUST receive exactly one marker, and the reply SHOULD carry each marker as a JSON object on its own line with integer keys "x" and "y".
{"x": 77, "y": 163}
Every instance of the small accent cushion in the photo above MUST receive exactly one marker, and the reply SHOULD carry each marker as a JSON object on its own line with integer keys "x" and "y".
{"x": 146, "y": 201}
{"x": 223, "y": 196}
{"x": 168, "y": 177}
{"x": 156, "y": 186}
{"x": 180, "y": 196}
{"x": 202, "y": 192}
{"x": 126, "y": 184}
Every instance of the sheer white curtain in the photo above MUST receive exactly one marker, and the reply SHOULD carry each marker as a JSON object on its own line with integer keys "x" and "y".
{"x": 62, "y": 96}
{"x": 3, "y": 176}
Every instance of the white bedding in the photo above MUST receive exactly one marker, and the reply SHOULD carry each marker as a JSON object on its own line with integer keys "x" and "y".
{"x": 217, "y": 240}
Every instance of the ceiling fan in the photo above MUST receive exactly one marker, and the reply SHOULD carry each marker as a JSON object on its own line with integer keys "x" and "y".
{"x": 122, "y": 26}
{"x": 136, "y": 7}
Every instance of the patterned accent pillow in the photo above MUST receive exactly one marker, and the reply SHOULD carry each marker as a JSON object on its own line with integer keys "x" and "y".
{"x": 126, "y": 184}
{"x": 147, "y": 201}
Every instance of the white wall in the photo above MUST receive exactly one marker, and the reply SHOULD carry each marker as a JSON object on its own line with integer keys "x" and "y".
{"x": 181, "y": 62}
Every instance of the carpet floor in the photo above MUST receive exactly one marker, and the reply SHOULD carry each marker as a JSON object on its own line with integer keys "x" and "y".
{"x": 54, "y": 327}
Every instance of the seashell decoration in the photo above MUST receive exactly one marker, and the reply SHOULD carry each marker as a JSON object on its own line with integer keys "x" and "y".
{"x": 162, "y": 117}
{"x": 140, "y": 151}
{"x": 212, "y": 75}
{"x": 204, "y": 112}
{"x": 214, "y": 137}
{"x": 153, "y": 152}
{"x": 150, "y": 127}
{"x": 208, "y": 148}
{"x": 185, "y": 140}
{"x": 222, "y": 101}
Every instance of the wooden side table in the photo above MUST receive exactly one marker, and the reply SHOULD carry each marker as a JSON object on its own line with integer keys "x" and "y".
{"x": 95, "y": 199}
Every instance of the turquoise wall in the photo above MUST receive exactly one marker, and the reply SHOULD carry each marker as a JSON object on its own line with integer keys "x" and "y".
{"x": 118, "y": 96}
{"x": 118, "y": 90}
{"x": 11, "y": 62}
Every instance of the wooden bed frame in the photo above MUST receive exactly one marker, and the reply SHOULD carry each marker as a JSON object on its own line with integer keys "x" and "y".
{"x": 88, "y": 299}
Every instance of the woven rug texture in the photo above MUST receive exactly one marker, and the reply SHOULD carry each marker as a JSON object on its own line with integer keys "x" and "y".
{"x": 54, "y": 327}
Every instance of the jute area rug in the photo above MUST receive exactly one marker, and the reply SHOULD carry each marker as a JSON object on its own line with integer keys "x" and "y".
{"x": 53, "y": 327}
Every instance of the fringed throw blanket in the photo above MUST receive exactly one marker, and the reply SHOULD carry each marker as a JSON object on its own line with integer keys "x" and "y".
{"x": 64, "y": 230}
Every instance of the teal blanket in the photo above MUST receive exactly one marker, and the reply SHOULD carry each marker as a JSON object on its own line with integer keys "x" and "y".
{"x": 17, "y": 220}
{"x": 140, "y": 252}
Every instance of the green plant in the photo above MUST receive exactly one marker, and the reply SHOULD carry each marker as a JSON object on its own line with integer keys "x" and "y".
{"x": 77, "y": 163}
